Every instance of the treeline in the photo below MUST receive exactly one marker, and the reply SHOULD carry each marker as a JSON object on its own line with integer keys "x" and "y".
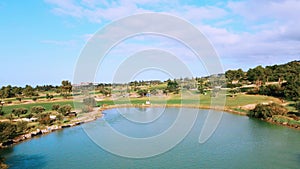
{"x": 29, "y": 91}
{"x": 286, "y": 76}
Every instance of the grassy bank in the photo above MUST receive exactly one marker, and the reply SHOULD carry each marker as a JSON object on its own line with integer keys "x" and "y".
{"x": 7, "y": 109}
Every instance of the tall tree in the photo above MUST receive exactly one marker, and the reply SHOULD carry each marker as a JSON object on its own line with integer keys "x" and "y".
{"x": 172, "y": 86}
{"x": 28, "y": 91}
{"x": 201, "y": 86}
{"x": 66, "y": 88}
{"x": 256, "y": 75}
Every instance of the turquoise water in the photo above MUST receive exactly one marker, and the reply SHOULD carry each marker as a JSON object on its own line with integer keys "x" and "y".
{"x": 238, "y": 142}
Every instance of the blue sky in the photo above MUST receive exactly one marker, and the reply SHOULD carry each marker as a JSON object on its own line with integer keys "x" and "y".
{"x": 41, "y": 40}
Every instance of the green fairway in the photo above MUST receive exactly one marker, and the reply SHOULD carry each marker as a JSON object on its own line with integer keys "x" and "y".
{"x": 47, "y": 106}
{"x": 205, "y": 100}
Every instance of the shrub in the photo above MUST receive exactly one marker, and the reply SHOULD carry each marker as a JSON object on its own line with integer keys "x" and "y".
{"x": 19, "y": 111}
{"x": 65, "y": 109}
{"x": 267, "y": 110}
{"x": 297, "y": 106}
{"x": 37, "y": 109}
{"x": 29, "y": 115}
{"x": 45, "y": 119}
{"x": 7, "y": 131}
{"x": 90, "y": 101}
{"x": 22, "y": 127}
{"x": 55, "y": 107}
{"x": 48, "y": 96}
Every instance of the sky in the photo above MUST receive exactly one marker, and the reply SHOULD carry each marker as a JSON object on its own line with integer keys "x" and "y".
{"x": 41, "y": 41}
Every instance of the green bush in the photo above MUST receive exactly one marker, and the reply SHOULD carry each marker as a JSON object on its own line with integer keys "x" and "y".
{"x": 267, "y": 110}
{"x": 19, "y": 111}
{"x": 7, "y": 131}
{"x": 37, "y": 109}
{"x": 90, "y": 101}
{"x": 55, "y": 107}
{"x": 65, "y": 109}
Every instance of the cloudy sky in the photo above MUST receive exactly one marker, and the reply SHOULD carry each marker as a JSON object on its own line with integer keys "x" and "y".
{"x": 42, "y": 40}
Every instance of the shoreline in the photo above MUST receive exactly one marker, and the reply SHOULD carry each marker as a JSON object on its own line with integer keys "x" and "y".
{"x": 97, "y": 113}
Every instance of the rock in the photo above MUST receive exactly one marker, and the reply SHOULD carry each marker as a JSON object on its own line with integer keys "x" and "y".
{"x": 78, "y": 123}
{"x": 36, "y": 133}
{"x": 45, "y": 131}
{"x": 27, "y": 136}
{"x": 19, "y": 139}
{"x": 66, "y": 126}
{"x": 285, "y": 123}
{"x": 7, "y": 143}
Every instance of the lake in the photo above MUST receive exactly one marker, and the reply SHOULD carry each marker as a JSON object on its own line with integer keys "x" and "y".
{"x": 238, "y": 142}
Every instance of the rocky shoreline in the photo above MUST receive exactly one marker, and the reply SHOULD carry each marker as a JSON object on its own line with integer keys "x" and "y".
{"x": 285, "y": 124}
{"x": 49, "y": 129}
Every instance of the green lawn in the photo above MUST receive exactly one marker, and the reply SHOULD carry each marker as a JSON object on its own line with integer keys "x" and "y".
{"x": 205, "y": 100}
{"x": 48, "y": 106}
{"x": 242, "y": 99}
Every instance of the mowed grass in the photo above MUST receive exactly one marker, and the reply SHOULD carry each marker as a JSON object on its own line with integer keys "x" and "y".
{"x": 243, "y": 99}
{"x": 48, "y": 106}
{"x": 203, "y": 100}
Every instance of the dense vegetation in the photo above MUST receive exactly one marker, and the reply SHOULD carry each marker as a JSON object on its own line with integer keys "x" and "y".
{"x": 267, "y": 110}
{"x": 286, "y": 76}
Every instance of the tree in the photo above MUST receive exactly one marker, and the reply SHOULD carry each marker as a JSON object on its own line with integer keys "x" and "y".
{"x": 234, "y": 75}
{"x": 44, "y": 118}
{"x": 16, "y": 91}
{"x": 297, "y": 106}
{"x": 49, "y": 97}
{"x": 19, "y": 111}
{"x": 88, "y": 104}
{"x": 256, "y": 75}
{"x": 66, "y": 88}
{"x": 142, "y": 92}
{"x": 37, "y": 109}
{"x": 201, "y": 86}
{"x": 28, "y": 91}
{"x": 7, "y": 131}
{"x": 6, "y": 92}
{"x": 65, "y": 109}
{"x": 90, "y": 101}
{"x": 1, "y": 108}
{"x": 267, "y": 110}
{"x": 292, "y": 87}
{"x": 55, "y": 107}
{"x": 234, "y": 91}
{"x": 172, "y": 86}
{"x": 22, "y": 126}
{"x": 105, "y": 91}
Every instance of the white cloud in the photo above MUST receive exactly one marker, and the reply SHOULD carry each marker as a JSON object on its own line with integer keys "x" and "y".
{"x": 66, "y": 7}
{"x": 242, "y": 31}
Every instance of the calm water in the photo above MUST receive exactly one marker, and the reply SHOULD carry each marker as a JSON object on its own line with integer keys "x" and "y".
{"x": 239, "y": 142}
